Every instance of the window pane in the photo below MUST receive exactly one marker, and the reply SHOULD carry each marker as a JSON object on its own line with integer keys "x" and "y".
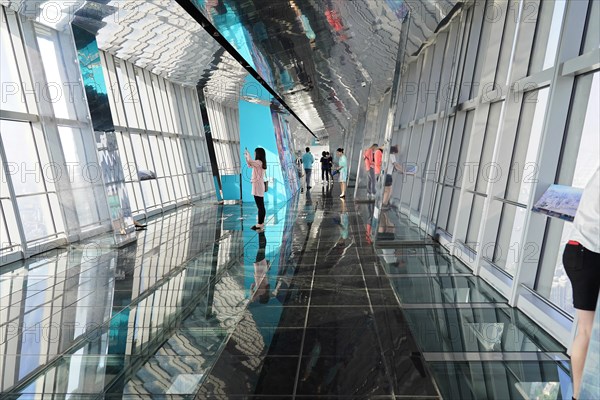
{"x": 36, "y": 217}
{"x": 74, "y": 155}
{"x": 10, "y": 237}
{"x": 547, "y": 35}
{"x": 128, "y": 95}
{"x": 22, "y": 159}
{"x": 592, "y": 33}
{"x": 484, "y": 174}
{"x": 507, "y": 243}
{"x": 144, "y": 97}
{"x": 475, "y": 222}
{"x": 55, "y": 91}
{"x": 85, "y": 202}
{"x": 12, "y": 90}
{"x": 587, "y": 157}
{"x": 509, "y": 43}
{"x": 523, "y": 168}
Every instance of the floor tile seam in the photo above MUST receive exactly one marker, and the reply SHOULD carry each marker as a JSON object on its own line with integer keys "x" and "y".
{"x": 387, "y": 367}
{"x": 302, "y": 341}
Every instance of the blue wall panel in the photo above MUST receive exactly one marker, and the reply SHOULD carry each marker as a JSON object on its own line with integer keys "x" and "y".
{"x": 256, "y": 130}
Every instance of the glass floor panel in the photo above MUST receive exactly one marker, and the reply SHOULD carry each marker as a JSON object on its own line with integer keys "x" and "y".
{"x": 412, "y": 250}
{"x": 510, "y": 380}
{"x": 396, "y": 227}
{"x": 445, "y": 289}
{"x": 478, "y": 330}
{"x": 402, "y": 262}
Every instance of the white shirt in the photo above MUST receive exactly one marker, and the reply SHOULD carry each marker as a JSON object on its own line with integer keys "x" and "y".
{"x": 390, "y": 166}
{"x": 586, "y": 226}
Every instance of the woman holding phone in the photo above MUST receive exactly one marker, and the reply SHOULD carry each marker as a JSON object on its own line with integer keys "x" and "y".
{"x": 259, "y": 166}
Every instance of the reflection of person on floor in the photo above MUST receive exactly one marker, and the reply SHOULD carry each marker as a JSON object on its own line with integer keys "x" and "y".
{"x": 344, "y": 224}
{"x": 385, "y": 228}
{"x": 309, "y": 210}
{"x": 581, "y": 259}
{"x": 261, "y": 286}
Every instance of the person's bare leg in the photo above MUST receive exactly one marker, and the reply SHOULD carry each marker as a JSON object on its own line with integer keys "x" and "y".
{"x": 343, "y": 186}
{"x": 585, "y": 320}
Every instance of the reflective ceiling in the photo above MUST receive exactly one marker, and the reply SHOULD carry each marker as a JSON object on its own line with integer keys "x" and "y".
{"x": 328, "y": 59}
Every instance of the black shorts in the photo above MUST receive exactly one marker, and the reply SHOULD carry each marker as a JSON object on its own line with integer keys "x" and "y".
{"x": 583, "y": 269}
{"x": 388, "y": 180}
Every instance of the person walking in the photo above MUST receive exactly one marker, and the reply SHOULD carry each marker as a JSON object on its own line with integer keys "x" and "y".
{"x": 581, "y": 259}
{"x": 259, "y": 166}
{"x": 342, "y": 169}
{"x": 307, "y": 162}
{"x": 389, "y": 178}
{"x": 329, "y": 166}
{"x": 369, "y": 159}
{"x": 377, "y": 160}
{"x": 324, "y": 163}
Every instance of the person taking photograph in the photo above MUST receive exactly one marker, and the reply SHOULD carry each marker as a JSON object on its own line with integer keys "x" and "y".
{"x": 259, "y": 167}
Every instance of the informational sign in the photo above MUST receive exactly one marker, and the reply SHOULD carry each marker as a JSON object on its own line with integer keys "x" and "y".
{"x": 559, "y": 201}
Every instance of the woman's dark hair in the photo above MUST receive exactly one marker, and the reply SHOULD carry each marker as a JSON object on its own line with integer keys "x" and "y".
{"x": 324, "y": 153}
{"x": 394, "y": 149}
{"x": 340, "y": 150}
{"x": 259, "y": 154}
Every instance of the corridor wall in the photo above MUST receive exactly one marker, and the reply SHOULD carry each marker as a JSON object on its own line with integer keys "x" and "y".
{"x": 257, "y": 129}
{"x": 492, "y": 111}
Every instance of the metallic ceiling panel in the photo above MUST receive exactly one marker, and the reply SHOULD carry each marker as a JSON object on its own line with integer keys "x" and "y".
{"x": 156, "y": 35}
{"x": 329, "y": 60}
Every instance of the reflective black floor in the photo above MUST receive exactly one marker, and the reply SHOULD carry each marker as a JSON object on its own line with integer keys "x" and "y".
{"x": 203, "y": 307}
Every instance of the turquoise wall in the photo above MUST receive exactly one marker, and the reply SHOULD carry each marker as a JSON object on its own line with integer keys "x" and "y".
{"x": 257, "y": 130}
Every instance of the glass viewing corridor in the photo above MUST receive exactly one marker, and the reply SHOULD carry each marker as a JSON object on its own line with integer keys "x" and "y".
{"x": 424, "y": 162}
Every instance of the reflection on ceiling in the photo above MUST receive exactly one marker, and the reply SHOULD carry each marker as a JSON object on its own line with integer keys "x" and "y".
{"x": 328, "y": 59}
{"x": 156, "y": 35}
